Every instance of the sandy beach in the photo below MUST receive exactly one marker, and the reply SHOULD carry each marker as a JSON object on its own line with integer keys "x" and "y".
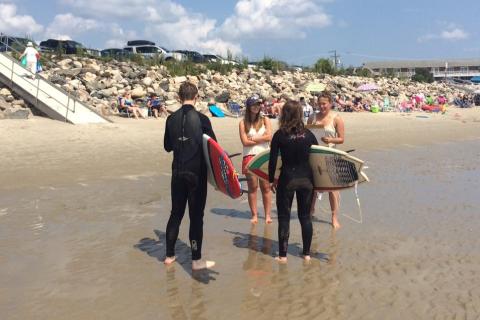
{"x": 83, "y": 211}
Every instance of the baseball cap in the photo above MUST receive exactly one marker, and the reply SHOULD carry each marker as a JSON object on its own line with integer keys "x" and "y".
{"x": 253, "y": 100}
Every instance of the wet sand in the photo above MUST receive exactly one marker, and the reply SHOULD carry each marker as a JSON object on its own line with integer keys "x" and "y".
{"x": 83, "y": 212}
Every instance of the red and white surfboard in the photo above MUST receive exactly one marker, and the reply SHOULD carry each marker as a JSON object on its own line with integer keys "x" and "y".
{"x": 221, "y": 172}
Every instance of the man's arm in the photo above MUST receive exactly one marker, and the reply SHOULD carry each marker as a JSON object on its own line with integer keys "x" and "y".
{"x": 167, "y": 144}
{"x": 207, "y": 127}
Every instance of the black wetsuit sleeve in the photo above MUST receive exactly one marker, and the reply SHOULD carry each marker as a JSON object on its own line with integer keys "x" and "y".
{"x": 272, "y": 163}
{"x": 167, "y": 143}
{"x": 207, "y": 127}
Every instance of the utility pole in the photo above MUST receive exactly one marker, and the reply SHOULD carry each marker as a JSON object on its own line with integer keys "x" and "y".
{"x": 336, "y": 59}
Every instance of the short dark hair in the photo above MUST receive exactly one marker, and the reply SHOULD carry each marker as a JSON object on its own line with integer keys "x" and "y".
{"x": 187, "y": 91}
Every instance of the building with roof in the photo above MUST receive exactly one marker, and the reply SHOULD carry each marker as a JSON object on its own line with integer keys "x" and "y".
{"x": 448, "y": 68}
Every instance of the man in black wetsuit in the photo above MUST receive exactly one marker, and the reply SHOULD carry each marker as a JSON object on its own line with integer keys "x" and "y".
{"x": 183, "y": 135}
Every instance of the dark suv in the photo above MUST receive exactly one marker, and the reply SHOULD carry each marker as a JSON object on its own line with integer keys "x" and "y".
{"x": 8, "y": 43}
{"x": 193, "y": 56}
{"x": 66, "y": 46}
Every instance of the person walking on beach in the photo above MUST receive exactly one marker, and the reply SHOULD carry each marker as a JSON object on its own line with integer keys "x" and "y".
{"x": 31, "y": 55}
{"x": 183, "y": 135}
{"x": 330, "y": 129}
{"x": 255, "y": 135}
{"x": 307, "y": 109}
{"x": 293, "y": 142}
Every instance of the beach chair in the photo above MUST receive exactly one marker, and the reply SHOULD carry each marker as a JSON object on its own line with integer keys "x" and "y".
{"x": 122, "y": 111}
{"x": 387, "y": 106}
{"x": 234, "y": 108}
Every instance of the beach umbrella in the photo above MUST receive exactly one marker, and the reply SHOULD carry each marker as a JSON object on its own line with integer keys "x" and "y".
{"x": 315, "y": 87}
{"x": 368, "y": 87}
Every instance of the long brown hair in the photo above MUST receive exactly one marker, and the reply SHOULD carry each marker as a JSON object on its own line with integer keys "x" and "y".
{"x": 291, "y": 118}
{"x": 251, "y": 121}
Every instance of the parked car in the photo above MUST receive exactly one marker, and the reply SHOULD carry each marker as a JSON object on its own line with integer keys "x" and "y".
{"x": 148, "y": 49}
{"x": 171, "y": 55}
{"x": 66, "y": 46}
{"x": 217, "y": 59}
{"x": 114, "y": 53}
{"x": 93, "y": 52}
{"x": 213, "y": 58}
{"x": 8, "y": 43}
{"x": 140, "y": 43}
{"x": 192, "y": 56}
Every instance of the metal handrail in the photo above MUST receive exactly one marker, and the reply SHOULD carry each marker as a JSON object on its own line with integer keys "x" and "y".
{"x": 37, "y": 85}
{"x": 68, "y": 94}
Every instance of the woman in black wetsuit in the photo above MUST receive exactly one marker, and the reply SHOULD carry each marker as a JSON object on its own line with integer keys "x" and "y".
{"x": 293, "y": 141}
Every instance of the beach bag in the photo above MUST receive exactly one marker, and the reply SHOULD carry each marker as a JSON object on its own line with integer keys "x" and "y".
{"x": 23, "y": 62}
{"x": 375, "y": 109}
{"x": 39, "y": 67}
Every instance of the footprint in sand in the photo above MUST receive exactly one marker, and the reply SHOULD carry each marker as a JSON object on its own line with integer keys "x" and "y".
{"x": 3, "y": 212}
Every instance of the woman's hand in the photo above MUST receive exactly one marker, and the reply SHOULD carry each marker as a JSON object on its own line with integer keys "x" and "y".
{"x": 273, "y": 187}
{"x": 327, "y": 140}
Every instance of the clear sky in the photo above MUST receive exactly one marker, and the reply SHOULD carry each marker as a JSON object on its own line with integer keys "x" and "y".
{"x": 296, "y": 31}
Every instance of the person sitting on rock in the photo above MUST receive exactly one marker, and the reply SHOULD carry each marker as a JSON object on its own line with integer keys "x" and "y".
{"x": 157, "y": 107}
{"x": 126, "y": 103}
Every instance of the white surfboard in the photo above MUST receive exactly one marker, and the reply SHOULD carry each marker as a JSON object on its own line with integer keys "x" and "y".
{"x": 333, "y": 169}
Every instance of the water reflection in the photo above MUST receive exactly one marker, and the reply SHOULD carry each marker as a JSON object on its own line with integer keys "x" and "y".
{"x": 193, "y": 306}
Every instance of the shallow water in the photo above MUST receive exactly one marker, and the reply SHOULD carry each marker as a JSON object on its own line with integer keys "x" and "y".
{"x": 93, "y": 250}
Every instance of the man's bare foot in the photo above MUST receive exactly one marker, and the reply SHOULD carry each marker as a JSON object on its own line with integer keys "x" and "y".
{"x": 268, "y": 220}
{"x": 335, "y": 223}
{"x": 307, "y": 258}
{"x": 169, "y": 260}
{"x": 200, "y": 264}
{"x": 281, "y": 259}
{"x": 254, "y": 219}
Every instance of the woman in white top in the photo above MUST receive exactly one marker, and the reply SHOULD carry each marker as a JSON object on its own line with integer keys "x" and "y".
{"x": 31, "y": 55}
{"x": 255, "y": 134}
{"x": 331, "y": 131}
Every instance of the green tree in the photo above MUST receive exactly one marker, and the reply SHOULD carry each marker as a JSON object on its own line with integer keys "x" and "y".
{"x": 363, "y": 72}
{"x": 268, "y": 63}
{"x": 423, "y": 75}
{"x": 324, "y": 66}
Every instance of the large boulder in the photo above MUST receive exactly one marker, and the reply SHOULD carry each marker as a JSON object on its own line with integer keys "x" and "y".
{"x": 147, "y": 81}
{"x": 89, "y": 77}
{"x": 17, "y": 112}
{"x": 223, "y": 97}
{"x": 65, "y": 63}
{"x": 5, "y": 92}
{"x": 138, "y": 92}
{"x": 69, "y": 72}
{"x": 180, "y": 79}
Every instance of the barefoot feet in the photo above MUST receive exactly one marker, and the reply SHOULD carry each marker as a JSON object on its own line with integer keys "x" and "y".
{"x": 281, "y": 259}
{"x": 202, "y": 264}
{"x": 335, "y": 223}
{"x": 268, "y": 219}
{"x": 254, "y": 219}
{"x": 169, "y": 260}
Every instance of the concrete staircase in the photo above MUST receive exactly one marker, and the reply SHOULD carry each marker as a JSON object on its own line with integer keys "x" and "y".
{"x": 44, "y": 95}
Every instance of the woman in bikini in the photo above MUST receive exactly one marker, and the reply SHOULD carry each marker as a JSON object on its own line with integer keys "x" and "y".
{"x": 330, "y": 130}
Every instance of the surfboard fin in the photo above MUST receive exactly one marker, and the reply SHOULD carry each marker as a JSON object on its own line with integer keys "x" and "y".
{"x": 350, "y": 151}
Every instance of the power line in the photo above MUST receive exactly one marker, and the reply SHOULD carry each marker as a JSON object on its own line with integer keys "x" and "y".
{"x": 336, "y": 59}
